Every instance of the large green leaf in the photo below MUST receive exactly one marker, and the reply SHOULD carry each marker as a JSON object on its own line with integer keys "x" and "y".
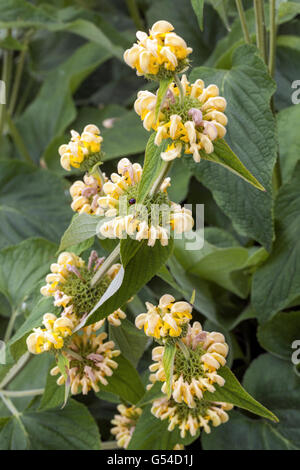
{"x": 287, "y": 11}
{"x": 223, "y": 266}
{"x": 278, "y": 334}
{"x": 273, "y": 382}
{"x": 82, "y": 228}
{"x": 125, "y": 382}
{"x": 72, "y": 428}
{"x": 198, "y": 6}
{"x": 53, "y": 109}
{"x": 20, "y": 14}
{"x": 276, "y": 284}
{"x": 32, "y": 203}
{"x": 247, "y": 88}
{"x": 22, "y": 267}
{"x": 223, "y": 155}
{"x": 139, "y": 270}
{"x": 232, "y": 392}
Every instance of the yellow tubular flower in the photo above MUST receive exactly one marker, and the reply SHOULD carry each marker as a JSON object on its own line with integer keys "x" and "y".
{"x": 197, "y": 374}
{"x": 92, "y": 364}
{"x": 53, "y": 334}
{"x": 168, "y": 319}
{"x": 83, "y": 150}
{"x": 193, "y": 125}
{"x": 151, "y": 221}
{"x": 124, "y": 424}
{"x": 85, "y": 195}
{"x": 203, "y": 415}
{"x": 159, "y": 55}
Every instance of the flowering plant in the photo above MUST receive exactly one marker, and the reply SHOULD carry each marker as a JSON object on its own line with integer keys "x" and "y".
{"x": 128, "y": 311}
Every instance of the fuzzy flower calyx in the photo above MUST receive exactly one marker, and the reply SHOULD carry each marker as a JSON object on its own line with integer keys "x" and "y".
{"x": 151, "y": 220}
{"x": 192, "y": 125}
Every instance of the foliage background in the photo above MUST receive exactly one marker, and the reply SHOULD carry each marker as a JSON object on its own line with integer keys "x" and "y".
{"x": 247, "y": 276}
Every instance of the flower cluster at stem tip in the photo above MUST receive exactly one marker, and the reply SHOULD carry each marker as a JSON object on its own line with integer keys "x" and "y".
{"x": 198, "y": 356}
{"x": 142, "y": 222}
{"x": 160, "y": 54}
{"x": 68, "y": 284}
{"x": 192, "y": 125}
{"x": 83, "y": 151}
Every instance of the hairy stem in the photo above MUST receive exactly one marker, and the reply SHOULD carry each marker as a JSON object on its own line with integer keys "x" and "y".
{"x": 18, "y": 139}
{"x": 16, "y": 368}
{"x": 6, "y": 72}
{"x": 273, "y": 32}
{"x": 110, "y": 260}
{"x": 135, "y": 14}
{"x": 181, "y": 91}
{"x": 260, "y": 28}
{"x": 22, "y": 393}
{"x": 17, "y": 81}
{"x": 243, "y": 21}
{"x": 10, "y": 326}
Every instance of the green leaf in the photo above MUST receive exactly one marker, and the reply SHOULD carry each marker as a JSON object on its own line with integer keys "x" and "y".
{"x": 289, "y": 140}
{"x": 223, "y": 155}
{"x": 276, "y": 284}
{"x": 151, "y": 395}
{"x": 247, "y": 88}
{"x": 26, "y": 213}
{"x": 17, "y": 343}
{"x": 22, "y": 267}
{"x": 70, "y": 429}
{"x": 287, "y": 11}
{"x": 278, "y": 334}
{"x": 161, "y": 93}
{"x": 125, "y": 382}
{"x": 82, "y": 227}
{"x": 151, "y": 168}
{"x": 180, "y": 179}
{"x": 53, "y": 396}
{"x": 22, "y": 14}
{"x": 48, "y": 116}
{"x": 273, "y": 382}
{"x": 168, "y": 364}
{"x": 140, "y": 269}
{"x": 198, "y": 6}
{"x": 11, "y": 43}
{"x": 129, "y": 340}
{"x": 232, "y": 392}
{"x": 223, "y": 266}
